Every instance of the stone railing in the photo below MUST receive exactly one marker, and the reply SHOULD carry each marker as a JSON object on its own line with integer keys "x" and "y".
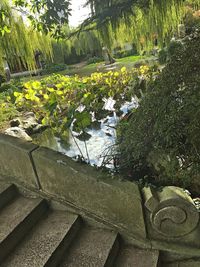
{"x": 166, "y": 220}
{"x": 57, "y": 176}
{"x": 172, "y": 211}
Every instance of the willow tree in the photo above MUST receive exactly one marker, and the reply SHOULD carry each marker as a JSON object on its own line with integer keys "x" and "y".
{"x": 143, "y": 21}
{"x": 77, "y": 46}
{"x": 19, "y": 42}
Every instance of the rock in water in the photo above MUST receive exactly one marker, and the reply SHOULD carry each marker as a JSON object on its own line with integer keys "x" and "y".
{"x": 25, "y": 126}
{"x": 15, "y": 122}
{"x": 30, "y": 124}
{"x": 19, "y": 133}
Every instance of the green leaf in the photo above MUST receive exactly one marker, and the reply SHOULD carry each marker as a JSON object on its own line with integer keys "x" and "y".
{"x": 84, "y": 136}
{"x": 83, "y": 120}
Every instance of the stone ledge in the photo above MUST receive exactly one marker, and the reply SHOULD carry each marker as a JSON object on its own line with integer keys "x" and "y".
{"x": 171, "y": 217}
{"x": 189, "y": 263}
{"x": 178, "y": 250}
{"x": 110, "y": 199}
{"x": 16, "y": 161}
{"x": 41, "y": 169}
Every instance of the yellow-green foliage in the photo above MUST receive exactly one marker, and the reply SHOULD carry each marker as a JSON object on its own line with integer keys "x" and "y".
{"x": 85, "y": 43}
{"x": 141, "y": 26}
{"x": 7, "y": 110}
{"x": 141, "y": 22}
{"x": 19, "y": 42}
{"x": 55, "y": 99}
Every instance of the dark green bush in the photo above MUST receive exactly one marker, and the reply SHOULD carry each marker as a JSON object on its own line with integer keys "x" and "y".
{"x": 191, "y": 20}
{"x": 12, "y": 86}
{"x": 125, "y": 53}
{"x": 161, "y": 140}
{"x": 162, "y": 56}
{"x": 175, "y": 47}
{"x": 53, "y": 68}
{"x": 2, "y": 77}
{"x": 93, "y": 60}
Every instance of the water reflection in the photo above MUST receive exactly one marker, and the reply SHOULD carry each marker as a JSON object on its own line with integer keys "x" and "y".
{"x": 97, "y": 146}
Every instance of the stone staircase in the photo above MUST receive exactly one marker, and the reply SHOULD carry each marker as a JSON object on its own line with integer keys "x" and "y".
{"x": 32, "y": 234}
{"x": 90, "y": 219}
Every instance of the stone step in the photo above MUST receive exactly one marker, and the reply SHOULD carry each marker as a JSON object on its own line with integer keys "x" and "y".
{"x": 47, "y": 241}
{"x": 186, "y": 263}
{"x": 92, "y": 248}
{"x": 7, "y": 193}
{"x": 16, "y": 220}
{"x": 130, "y": 256}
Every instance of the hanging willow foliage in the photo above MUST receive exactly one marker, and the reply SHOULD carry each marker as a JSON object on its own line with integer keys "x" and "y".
{"x": 86, "y": 43}
{"x": 19, "y": 43}
{"x": 140, "y": 21}
{"x": 115, "y": 22}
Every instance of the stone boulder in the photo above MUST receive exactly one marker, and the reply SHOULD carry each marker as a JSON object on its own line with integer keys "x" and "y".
{"x": 25, "y": 126}
{"x": 30, "y": 124}
{"x": 18, "y": 132}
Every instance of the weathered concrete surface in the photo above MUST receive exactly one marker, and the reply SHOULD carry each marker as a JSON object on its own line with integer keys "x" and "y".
{"x": 93, "y": 247}
{"x": 173, "y": 212}
{"x": 171, "y": 220}
{"x": 4, "y": 187}
{"x": 40, "y": 244}
{"x": 171, "y": 216}
{"x": 189, "y": 263}
{"x": 7, "y": 193}
{"x": 116, "y": 202}
{"x": 14, "y": 214}
{"x": 52, "y": 237}
{"x": 15, "y": 160}
{"x": 167, "y": 257}
{"x": 16, "y": 219}
{"x": 176, "y": 250}
{"x": 130, "y": 256}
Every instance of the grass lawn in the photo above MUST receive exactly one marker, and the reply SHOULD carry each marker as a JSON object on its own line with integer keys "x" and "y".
{"x": 130, "y": 59}
{"x": 86, "y": 70}
{"x": 128, "y": 62}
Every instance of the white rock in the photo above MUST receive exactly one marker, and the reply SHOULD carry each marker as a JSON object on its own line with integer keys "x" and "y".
{"x": 18, "y": 132}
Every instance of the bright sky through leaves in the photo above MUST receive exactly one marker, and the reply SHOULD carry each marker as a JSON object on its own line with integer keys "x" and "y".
{"x": 78, "y": 12}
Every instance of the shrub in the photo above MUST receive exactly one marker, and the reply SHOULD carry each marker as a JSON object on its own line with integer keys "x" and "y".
{"x": 9, "y": 88}
{"x": 2, "y": 76}
{"x": 161, "y": 140}
{"x": 125, "y": 53}
{"x": 53, "y": 68}
{"x": 7, "y": 110}
{"x": 93, "y": 60}
{"x": 162, "y": 56}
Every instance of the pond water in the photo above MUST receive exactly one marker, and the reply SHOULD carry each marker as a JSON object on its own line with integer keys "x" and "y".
{"x": 100, "y": 144}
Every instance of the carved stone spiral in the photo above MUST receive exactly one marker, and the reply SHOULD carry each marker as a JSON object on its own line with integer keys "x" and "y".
{"x": 172, "y": 211}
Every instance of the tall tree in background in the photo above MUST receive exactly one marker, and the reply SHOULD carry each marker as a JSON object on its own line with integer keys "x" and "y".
{"x": 18, "y": 41}
{"x": 142, "y": 20}
{"x": 138, "y": 21}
